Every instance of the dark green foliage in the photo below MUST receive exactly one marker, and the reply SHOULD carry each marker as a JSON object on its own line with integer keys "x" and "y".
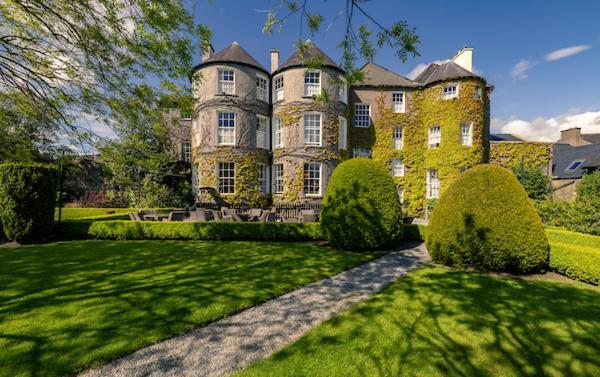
{"x": 361, "y": 209}
{"x": 575, "y": 255}
{"x": 150, "y": 230}
{"x": 413, "y": 232}
{"x": 535, "y": 183}
{"x": 484, "y": 220}
{"x": 27, "y": 200}
{"x": 554, "y": 213}
{"x": 585, "y": 215}
{"x": 589, "y": 185}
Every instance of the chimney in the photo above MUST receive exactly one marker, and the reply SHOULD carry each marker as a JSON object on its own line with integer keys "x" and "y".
{"x": 572, "y": 136}
{"x": 208, "y": 52}
{"x": 274, "y": 60}
{"x": 464, "y": 58}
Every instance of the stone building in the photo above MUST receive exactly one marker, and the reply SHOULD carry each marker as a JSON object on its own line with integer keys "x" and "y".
{"x": 277, "y": 135}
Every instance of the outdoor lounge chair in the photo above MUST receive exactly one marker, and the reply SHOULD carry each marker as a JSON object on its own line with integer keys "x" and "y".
{"x": 289, "y": 219}
{"x": 267, "y": 217}
{"x": 134, "y": 216}
{"x": 309, "y": 216}
{"x": 176, "y": 216}
{"x": 147, "y": 214}
{"x": 200, "y": 214}
{"x": 254, "y": 214}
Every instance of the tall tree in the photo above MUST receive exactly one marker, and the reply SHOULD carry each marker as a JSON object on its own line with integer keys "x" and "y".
{"x": 67, "y": 57}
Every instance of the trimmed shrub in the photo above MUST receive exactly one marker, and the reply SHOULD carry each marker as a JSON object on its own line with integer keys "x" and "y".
{"x": 589, "y": 185}
{"x": 575, "y": 255}
{"x": 414, "y": 232}
{"x": 27, "y": 199}
{"x": 166, "y": 230}
{"x": 485, "y": 220}
{"x": 361, "y": 209}
{"x": 585, "y": 215}
{"x": 553, "y": 213}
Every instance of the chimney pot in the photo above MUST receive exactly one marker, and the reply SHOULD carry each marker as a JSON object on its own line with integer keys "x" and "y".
{"x": 274, "y": 60}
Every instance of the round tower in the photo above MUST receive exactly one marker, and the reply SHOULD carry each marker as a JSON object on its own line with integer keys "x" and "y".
{"x": 230, "y": 127}
{"x": 309, "y": 124}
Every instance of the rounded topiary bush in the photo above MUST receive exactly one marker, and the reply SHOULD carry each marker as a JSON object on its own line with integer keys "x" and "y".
{"x": 484, "y": 220}
{"x": 361, "y": 209}
{"x": 27, "y": 200}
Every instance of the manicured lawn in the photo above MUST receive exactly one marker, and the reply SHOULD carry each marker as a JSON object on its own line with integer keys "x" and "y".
{"x": 90, "y": 213}
{"x": 442, "y": 322}
{"x": 576, "y": 255}
{"x": 65, "y": 306}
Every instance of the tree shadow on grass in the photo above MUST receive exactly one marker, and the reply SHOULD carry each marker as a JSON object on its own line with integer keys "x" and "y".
{"x": 442, "y": 322}
{"x": 64, "y": 306}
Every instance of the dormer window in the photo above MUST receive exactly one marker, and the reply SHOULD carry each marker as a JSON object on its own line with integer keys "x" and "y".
{"x": 262, "y": 93}
{"x": 398, "y": 102}
{"x": 312, "y": 83}
{"x": 450, "y": 91}
{"x": 226, "y": 84}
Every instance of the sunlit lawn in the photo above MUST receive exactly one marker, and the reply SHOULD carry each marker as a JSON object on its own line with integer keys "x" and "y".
{"x": 442, "y": 322}
{"x": 64, "y": 306}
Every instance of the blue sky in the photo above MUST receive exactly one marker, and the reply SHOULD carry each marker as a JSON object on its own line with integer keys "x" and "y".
{"x": 542, "y": 56}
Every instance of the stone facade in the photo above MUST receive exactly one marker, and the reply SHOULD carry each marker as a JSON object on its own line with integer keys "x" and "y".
{"x": 309, "y": 115}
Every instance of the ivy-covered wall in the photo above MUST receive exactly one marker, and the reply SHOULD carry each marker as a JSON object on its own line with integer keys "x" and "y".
{"x": 509, "y": 154}
{"x": 424, "y": 108}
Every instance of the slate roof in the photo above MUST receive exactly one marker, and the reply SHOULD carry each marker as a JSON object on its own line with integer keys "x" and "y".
{"x": 565, "y": 155}
{"x": 504, "y": 137}
{"x": 234, "y": 53}
{"x": 591, "y": 138}
{"x": 443, "y": 72}
{"x": 376, "y": 75}
{"x": 310, "y": 52}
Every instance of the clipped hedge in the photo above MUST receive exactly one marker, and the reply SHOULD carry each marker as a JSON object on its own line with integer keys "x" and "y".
{"x": 27, "y": 199}
{"x": 251, "y": 231}
{"x": 575, "y": 255}
{"x": 414, "y": 232}
{"x": 485, "y": 220}
{"x": 361, "y": 208}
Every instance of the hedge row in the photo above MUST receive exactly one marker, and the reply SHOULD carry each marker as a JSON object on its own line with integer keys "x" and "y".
{"x": 575, "y": 255}
{"x": 138, "y": 230}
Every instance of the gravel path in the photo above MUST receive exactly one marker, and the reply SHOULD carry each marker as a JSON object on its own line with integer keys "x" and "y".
{"x": 232, "y": 343}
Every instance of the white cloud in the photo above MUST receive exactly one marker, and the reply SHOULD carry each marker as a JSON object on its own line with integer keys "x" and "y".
{"x": 566, "y": 52}
{"x": 520, "y": 69}
{"x": 420, "y": 68}
{"x": 548, "y": 130}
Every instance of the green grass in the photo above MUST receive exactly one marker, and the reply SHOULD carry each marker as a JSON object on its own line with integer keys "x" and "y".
{"x": 68, "y": 305}
{"x": 442, "y": 322}
{"x": 575, "y": 255}
{"x": 97, "y": 213}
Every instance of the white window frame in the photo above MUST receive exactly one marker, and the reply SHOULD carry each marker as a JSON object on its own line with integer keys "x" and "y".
{"x": 478, "y": 92}
{"x": 225, "y": 134}
{"x": 262, "y": 93}
{"x": 226, "y": 181}
{"x": 466, "y": 138}
{"x": 434, "y": 139}
{"x": 343, "y": 91}
{"x": 263, "y": 179}
{"x": 398, "y": 138}
{"x": 262, "y": 132}
{"x": 397, "y": 167}
{"x": 342, "y": 133}
{"x": 361, "y": 152}
{"x": 400, "y": 191}
{"x": 306, "y": 131}
{"x": 278, "y": 178}
{"x": 433, "y": 184}
{"x": 319, "y": 179}
{"x": 362, "y": 115}
{"x": 278, "y": 89}
{"x": 223, "y": 84}
{"x": 186, "y": 151}
{"x": 312, "y": 88}
{"x": 447, "y": 94}
{"x": 398, "y": 102}
{"x": 277, "y": 131}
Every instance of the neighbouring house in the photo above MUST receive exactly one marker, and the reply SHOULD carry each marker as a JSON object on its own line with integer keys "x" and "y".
{"x": 575, "y": 154}
{"x": 259, "y": 135}
{"x": 509, "y": 151}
